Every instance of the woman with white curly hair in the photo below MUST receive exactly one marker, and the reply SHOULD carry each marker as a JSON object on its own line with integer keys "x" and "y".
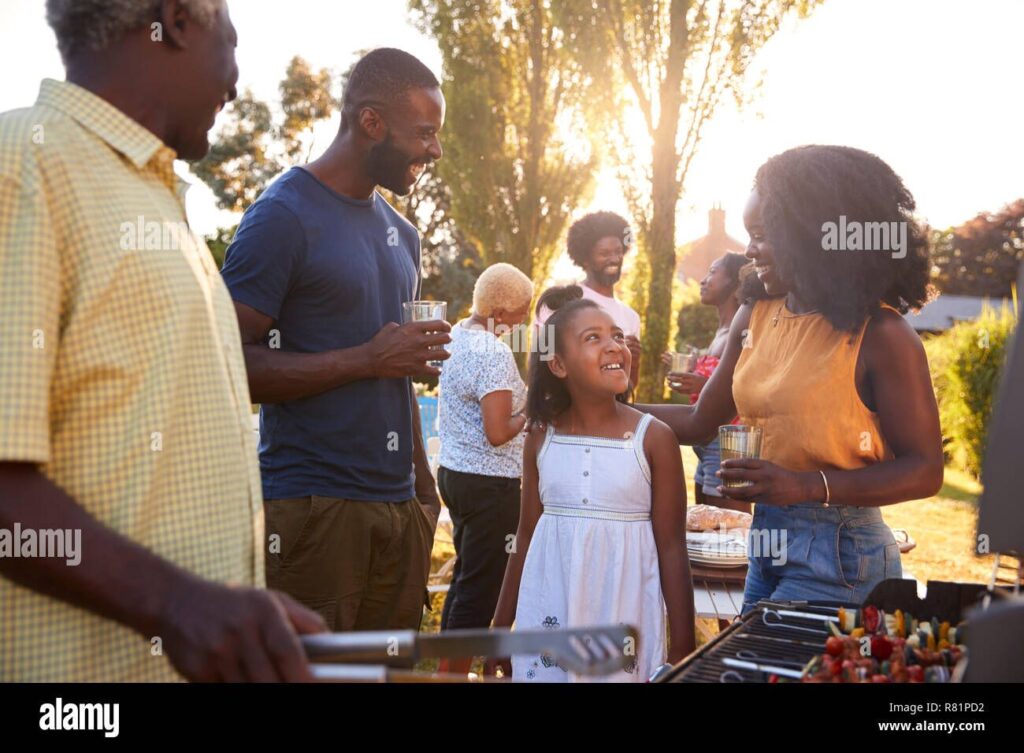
{"x": 482, "y": 397}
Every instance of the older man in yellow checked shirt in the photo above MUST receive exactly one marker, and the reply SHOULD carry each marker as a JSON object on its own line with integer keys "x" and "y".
{"x": 124, "y": 410}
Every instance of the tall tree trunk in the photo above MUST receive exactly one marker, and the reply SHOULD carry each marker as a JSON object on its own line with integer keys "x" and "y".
{"x": 665, "y": 187}
{"x": 661, "y": 256}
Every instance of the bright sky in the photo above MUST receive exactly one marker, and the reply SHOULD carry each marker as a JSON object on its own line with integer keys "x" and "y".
{"x": 931, "y": 86}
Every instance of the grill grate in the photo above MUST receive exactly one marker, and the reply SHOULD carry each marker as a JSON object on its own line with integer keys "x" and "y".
{"x": 791, "y": 644}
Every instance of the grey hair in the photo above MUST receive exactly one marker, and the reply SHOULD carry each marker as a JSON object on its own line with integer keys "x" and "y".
{"x": 95, "y": 24}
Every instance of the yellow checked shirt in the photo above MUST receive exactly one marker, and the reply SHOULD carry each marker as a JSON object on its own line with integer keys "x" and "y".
{"x": 121, "y": 372}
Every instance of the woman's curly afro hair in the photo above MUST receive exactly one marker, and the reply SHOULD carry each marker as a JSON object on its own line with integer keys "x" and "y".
{"x": 806, "y": 187}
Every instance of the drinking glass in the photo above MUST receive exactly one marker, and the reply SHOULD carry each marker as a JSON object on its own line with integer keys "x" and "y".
{"x": 684, "y": 360}
{"x": 739, "y": 441}
{"x": 425, "y": 311}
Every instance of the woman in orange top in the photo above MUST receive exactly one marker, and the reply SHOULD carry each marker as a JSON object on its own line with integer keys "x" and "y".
{"x": 822, "y": 360}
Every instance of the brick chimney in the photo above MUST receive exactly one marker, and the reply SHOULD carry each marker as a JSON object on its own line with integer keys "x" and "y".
{"x": 716, "y": 221}
{"x": 705, "y": 250}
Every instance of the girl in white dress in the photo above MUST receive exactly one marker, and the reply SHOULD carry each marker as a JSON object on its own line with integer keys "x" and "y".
{"x": 601, "y": 537}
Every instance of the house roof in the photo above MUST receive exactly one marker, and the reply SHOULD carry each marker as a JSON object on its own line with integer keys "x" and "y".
{"x": 947, "y": 310}
{"x": 695, "y": 257}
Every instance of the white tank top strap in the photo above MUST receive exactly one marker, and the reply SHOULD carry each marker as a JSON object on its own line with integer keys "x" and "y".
{"x": 638, "y": 445}
{"x": 549, "y": 432}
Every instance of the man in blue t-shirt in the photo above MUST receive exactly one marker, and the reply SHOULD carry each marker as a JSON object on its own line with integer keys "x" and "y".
{"x": 318, "y": 270}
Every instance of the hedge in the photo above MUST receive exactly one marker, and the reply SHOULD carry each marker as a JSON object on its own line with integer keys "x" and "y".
{"x": 966, "y": 362}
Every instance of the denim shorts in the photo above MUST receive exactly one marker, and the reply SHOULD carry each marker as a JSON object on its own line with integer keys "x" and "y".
{"x": 709, "y": 460}
{"x": 808, "y": 552}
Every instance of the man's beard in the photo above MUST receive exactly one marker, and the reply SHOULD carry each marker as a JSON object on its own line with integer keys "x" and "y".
{"x": 608, "y": 278}
{"x": 389, "y": 167}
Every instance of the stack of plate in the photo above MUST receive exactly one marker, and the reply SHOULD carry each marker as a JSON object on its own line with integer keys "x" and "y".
{"x": 713, "y": 549}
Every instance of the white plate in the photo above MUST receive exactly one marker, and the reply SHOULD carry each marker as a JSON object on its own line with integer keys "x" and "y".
{"x": 714, "y": 551}
{"x": 719, "y": 564}
{"x": 713, "y": 554}
{"x": 714, "y": 537}
{"x": 718, "y": 546}
{"x": 716, "y": 555}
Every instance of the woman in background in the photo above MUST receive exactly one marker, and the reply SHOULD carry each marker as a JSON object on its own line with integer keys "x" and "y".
{"x": 481, "y": 402}
{"x": 719, "y": 288}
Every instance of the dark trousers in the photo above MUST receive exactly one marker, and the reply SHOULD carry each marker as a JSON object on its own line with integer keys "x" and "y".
{"x": 485, "y": 515}
{"x": 361, "y": 565}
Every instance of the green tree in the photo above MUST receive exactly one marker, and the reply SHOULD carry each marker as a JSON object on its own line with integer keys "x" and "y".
{"x": 305, "y": 100}
{"x": 252, "y": 148}
{"x": 697, "y": 323}
{"x": 675, "y": 61}
{"x": 451, "y": 263}
{"x": 218, "y": 243}
{"x": 512, "y": 92}
{"x": 980, "y": 257}
{"x": 966, "y": 363}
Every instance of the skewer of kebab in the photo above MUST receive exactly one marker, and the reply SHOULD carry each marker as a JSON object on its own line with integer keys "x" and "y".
{"x": 886, "y": 648}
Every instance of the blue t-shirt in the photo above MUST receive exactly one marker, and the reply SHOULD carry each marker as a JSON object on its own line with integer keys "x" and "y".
{"x": 330, "y": 271}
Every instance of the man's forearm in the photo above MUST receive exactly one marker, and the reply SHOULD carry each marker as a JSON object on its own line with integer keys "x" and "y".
{"x": 115, "y": 577}
{"x": 276, "y": 376}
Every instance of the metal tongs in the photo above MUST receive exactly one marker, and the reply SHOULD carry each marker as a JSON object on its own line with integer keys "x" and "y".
{"x": 368, "y": 656}
{"x": 777, "y": 618}
{"x": 793, "y": 670}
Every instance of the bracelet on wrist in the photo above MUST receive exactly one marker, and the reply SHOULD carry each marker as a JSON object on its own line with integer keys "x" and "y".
{"x": 828, "y": 494}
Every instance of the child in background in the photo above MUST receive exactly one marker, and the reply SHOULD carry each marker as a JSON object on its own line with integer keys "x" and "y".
{"x": 601, "y": 531}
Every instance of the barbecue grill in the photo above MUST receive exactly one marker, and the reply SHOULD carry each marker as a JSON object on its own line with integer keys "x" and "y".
{"x": 780, "y": 638}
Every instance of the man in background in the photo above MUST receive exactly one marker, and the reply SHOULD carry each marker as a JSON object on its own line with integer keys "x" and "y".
{"x": 597, "y": 244}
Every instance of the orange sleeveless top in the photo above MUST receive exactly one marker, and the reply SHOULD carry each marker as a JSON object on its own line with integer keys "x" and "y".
{"x": 795, "y": 378}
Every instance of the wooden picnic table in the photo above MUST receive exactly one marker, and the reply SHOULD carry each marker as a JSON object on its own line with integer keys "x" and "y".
{"x": 717, "y": 593}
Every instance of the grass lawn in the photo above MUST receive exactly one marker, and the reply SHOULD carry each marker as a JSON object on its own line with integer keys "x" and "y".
{"x": 945, "y": 527}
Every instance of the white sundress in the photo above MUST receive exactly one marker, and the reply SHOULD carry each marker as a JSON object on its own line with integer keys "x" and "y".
{"x": 593, "y": 560}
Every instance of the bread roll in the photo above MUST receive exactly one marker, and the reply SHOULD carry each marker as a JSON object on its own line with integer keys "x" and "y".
{"x": 711, "y": 518}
